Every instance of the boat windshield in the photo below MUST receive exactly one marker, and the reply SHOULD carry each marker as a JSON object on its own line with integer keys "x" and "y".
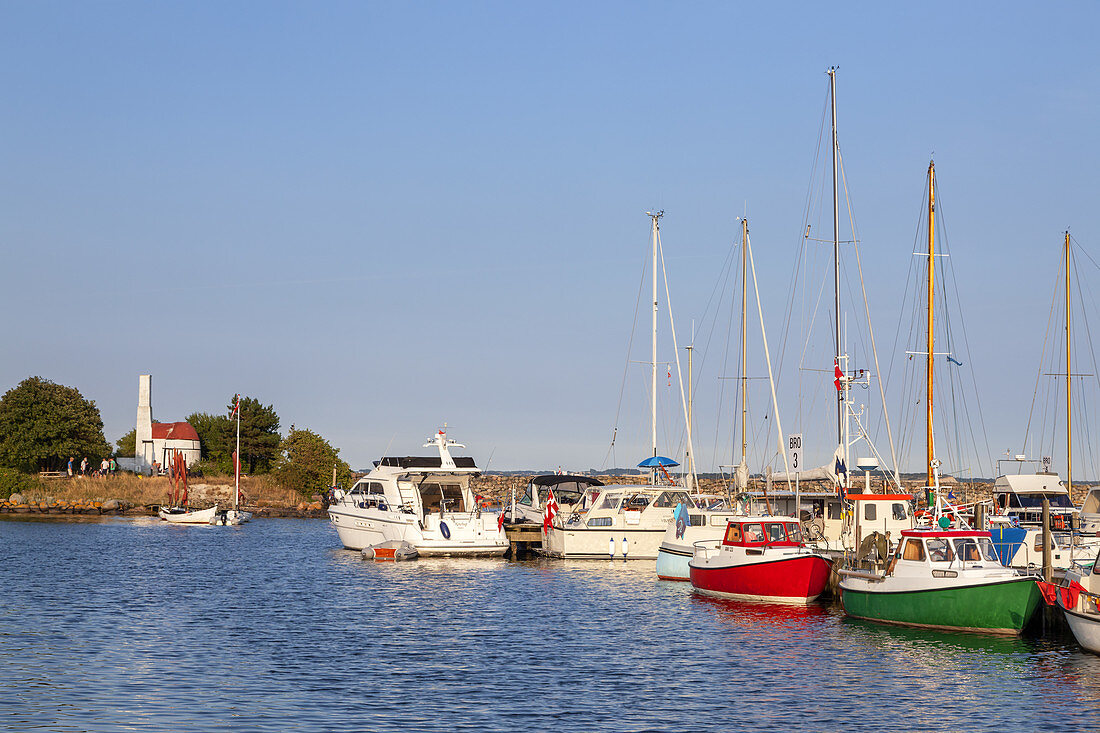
{"x": 775, "y": 532}
{"x": 1035, "y": 501}
{"x": 974, "y": 549}
{"x": 794, "y": 534}
{"x": 672, "y": 498}
{"x": 939, "y": 550}
{"x": 611, "y": 501}
{"x": 638, "y": 502}
{"x": 753, "y": 532}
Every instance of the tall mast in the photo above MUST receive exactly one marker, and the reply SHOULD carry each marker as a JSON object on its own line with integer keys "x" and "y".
{"x": 931, "y": 451}
{"x": 1069, "y": 385}
{"x": 653, "y": 374}
{"x": 691, "y": 396}
{"x": 840, "y": 438}
{"x": 237, "y": 458}
{"x": 744, "y": 355}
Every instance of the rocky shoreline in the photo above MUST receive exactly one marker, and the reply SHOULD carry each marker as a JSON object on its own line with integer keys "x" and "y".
{"x": 19, "y": 506}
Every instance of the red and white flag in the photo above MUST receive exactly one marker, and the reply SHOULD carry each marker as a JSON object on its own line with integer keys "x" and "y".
{"x": 549, "y": 512}
{"x": 839, "y": 376}
{"x": 236, "y": 405}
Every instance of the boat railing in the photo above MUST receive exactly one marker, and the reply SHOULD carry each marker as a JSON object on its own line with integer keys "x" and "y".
{"x": 705, "y": 549}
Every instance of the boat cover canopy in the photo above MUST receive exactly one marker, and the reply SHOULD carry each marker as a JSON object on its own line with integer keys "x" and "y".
{"x": 555, "y": 479}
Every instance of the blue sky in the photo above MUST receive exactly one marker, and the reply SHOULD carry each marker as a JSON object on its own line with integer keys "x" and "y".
{"x": 381, "y": 217}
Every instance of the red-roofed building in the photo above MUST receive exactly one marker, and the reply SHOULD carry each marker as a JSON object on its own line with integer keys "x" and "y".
{"x": 156, "y": 441}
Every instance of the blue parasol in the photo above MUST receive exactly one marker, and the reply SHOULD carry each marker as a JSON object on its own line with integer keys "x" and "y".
{"x": 657, "y": 461}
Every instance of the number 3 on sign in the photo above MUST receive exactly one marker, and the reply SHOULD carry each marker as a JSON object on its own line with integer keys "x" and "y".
{"x": 794, "y": 451}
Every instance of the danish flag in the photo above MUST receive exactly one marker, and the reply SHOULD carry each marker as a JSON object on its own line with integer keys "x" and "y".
{"x": 549, "y": 512}
{"x": 839, "y": 375}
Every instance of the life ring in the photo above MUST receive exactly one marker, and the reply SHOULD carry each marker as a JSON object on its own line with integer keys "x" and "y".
{"x": 445, "y": 530}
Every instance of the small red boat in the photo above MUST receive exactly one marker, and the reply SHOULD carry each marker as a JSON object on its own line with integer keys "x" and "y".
{"x": 760, "y": 559}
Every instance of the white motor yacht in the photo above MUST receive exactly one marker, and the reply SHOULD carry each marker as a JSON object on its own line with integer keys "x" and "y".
{"x": 623, "y": 521}
{"x": 423, "y": 500}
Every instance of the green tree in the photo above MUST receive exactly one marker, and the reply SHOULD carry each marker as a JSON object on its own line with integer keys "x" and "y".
{"x": 215, "y": 438}
{"x": 259, "y": 434}
{"x": 127, "y": 443}
{"x": 42, "y": 424}
{"x": 305, "y": 463}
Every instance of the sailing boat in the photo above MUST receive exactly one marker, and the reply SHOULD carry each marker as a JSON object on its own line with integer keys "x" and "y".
{"x": 941, "y": 577}
{"x": 235, "y": 515}
{"x": 624, "y": 520}
{"x": 180, "y": 511}
{"x": 678, "y": 546}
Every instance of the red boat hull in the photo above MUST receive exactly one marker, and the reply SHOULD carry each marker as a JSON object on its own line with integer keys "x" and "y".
{"x": 798, "y": 579}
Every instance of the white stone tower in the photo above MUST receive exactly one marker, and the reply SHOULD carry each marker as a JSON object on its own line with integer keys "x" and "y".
{"x": 143, "y": 437}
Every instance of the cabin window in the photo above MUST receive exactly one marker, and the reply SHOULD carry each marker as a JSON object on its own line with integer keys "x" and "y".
{"x": 733, "y": 533}
{"x": 834, "y": 511}
{"x": 611, "y": 501}
{"x": 899, "y": 512}
{"x": 753, "y": 532}
{"x": 599, "y": 522}
{"x": 775, "y": 532}
{"x": 970, "y": 550}
{"x": 698, "y": 520}
{"x": 794, "y": 534}
{"x": 716, "y": 521}
{"x": 914, "y": 550}
{"x": 668, "y": 499}
{"x": 870, "y": 512}
{"x": 637, "y": 502}
{"x": 1039, "y": 542}
{"x": 939, "y": 550}
{"x": 375, "y": 488}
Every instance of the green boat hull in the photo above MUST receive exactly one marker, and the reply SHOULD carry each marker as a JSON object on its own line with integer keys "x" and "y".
{"x": 1001, "y": 608}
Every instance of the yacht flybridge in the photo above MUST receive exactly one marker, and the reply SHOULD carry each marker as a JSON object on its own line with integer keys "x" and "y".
{"x": 423, "y": 500}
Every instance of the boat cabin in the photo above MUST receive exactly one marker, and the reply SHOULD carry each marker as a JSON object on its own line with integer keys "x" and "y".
{"x": 626, "y": 506}
{"x": 763, "y": 532}
{"x": 419, "y": 485}
{"x": 947, "y": 548}
{"x": 570, "y": 492}
{"x": 1090, "y": 512}
{"x": 1021, "y": 496}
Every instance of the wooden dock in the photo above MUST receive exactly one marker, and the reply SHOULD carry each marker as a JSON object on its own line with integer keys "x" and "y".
{"x": 523, "y": 538}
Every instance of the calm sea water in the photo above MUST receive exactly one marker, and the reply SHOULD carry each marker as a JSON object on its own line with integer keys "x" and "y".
{"x": 134, "y": 625}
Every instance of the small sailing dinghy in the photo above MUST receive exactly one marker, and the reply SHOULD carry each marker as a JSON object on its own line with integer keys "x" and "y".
{"x": 180, "y": 511}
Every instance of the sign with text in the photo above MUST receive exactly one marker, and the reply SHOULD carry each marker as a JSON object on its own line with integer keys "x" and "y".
{"x": 794, "y": 452}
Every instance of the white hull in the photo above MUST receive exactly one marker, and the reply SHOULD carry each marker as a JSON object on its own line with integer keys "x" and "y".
{"x": 1086, "y": 629}
{"x": 675, "y": 552}
{"x": 199, "y": 516}
{"x": 470, "y": 534}
{"x": 232, "y": 517}
{"x": 626, "y": 543}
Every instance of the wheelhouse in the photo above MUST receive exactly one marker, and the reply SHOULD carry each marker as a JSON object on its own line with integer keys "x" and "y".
{"x": 762, "y": 532}
{"x": 948, "y": 548}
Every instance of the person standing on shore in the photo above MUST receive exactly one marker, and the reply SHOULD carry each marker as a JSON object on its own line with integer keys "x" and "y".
{"x": 70, "y": 467}
{"x": 113, "y": 467}
{"x": 84, "y": 466}
{"x": 103, "y": 465}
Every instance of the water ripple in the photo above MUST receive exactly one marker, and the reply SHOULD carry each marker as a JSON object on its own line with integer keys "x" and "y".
{"x": 134, "y": 625}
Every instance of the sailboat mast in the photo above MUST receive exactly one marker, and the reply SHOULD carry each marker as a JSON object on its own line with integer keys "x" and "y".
{"x": 653, "y": 363}
{"x": 931, "y": 311}
{"x": 1069, "y": 385}
{"x": 237, "y": 459}
{"x": 744, "y": 355}
{"x": 840, "y": 438}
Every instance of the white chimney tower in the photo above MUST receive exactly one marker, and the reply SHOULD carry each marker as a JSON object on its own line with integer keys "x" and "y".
{"x": 143, "y": 435}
